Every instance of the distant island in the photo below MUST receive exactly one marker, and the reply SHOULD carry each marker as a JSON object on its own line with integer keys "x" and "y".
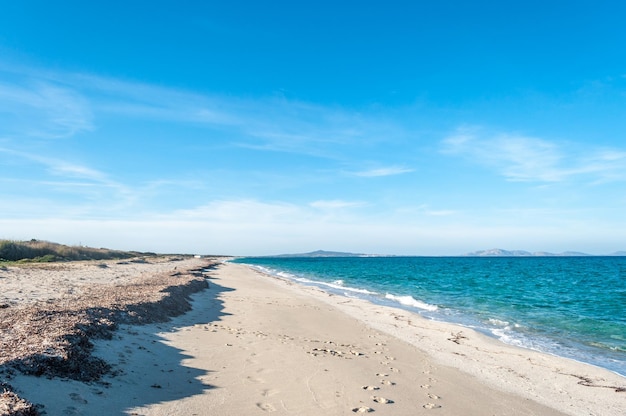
{"x": 323, "y": 253}
{"x": 498, "y": 252}
{"x": 494, "y": 252}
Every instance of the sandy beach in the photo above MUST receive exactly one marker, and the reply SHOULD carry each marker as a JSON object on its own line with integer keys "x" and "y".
{"x": 254, "y": 344}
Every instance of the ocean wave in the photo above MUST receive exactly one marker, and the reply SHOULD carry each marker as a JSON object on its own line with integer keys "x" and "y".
{"x": 519, "y": 324}
{"x": 498, "y": 322}
{"x": 336, "y": 285}
{"x": 411, "y": 301}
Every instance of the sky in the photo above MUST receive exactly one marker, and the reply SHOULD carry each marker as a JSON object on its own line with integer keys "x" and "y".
{"x": 255, "y": 128}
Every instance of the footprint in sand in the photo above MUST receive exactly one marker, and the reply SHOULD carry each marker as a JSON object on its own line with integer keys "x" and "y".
{"x": 431, "y": 406}
{"x": 381, "y": 375}
{"x": 252, "y": 379}
{"x": 387, "y": 382}
{"x": 269, "y": 392}
{"x": 370, "y": 388}
{"x": 266, "y": 407}
{"x": 425, "y": 386}
{"x": 362, "y": 409}
{"x": 78, "y": 398}
{"x": 71, "y": 411}
{"x": 395, "y": 370}
{"x": 381, "y": 400}
{"x": 434, "y": 396}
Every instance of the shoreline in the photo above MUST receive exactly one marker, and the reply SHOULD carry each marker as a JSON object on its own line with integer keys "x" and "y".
{"x": 254, "y": 343}
{"x": 507, "y": 328}
{"x": 537, "y": 370}
{"x": 484, "y": 331}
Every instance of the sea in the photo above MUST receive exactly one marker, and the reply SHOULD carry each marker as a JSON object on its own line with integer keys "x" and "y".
{"x": 573, "y": 307}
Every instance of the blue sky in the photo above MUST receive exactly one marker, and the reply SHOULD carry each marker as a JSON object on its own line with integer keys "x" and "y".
{"x": 395, "y": 127}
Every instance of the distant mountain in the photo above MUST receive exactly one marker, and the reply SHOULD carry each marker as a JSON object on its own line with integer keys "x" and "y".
{"x": 322, "y": 253}
{"x": 498, "y": 252}
{"x": 573, "y": 254}
{"x": 494, "y": 252}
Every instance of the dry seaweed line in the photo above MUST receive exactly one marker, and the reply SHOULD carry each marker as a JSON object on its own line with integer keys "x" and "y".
{"x": 54, "y": 339}
{"x": 456, "y": 338}
{"x": 586, "y": 381}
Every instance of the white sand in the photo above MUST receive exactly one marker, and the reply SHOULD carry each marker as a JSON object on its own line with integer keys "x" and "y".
{"x": 38, "y": 282}
{"x": 254, "y": 344}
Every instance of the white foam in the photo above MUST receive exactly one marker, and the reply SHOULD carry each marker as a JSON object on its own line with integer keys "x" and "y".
{"x": 411, "y": 301}
{"x": 340, "y": 286}
{"x": 505, "y": 336}
{"x": 337, "y": 284}
{"x": 498, "y": 322}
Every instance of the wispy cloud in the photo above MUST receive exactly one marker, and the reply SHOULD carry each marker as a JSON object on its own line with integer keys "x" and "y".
{"x": 384, "y": 171}
{"x": 63, "y": 168}
{"x": 523, "y": 158}
{"x": 65, "y": 103}
{"x": 423, "y": 210}
{"x": 37, "y": 108}
{"x": 335, "y": 204}
{"x": 251, "y": 211}
{"x": 37, "y": 105}
{"x": 217, "y": 229}
{"x": 244, "y": 211}
{"x": 96, "y": 191}
{"x": 440, "y": 213}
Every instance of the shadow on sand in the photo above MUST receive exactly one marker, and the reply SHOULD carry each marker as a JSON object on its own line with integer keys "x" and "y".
{"x": 145, "y": 369}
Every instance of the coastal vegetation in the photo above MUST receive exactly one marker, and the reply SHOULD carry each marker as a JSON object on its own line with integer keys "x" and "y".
{"x": 38, "y": 251}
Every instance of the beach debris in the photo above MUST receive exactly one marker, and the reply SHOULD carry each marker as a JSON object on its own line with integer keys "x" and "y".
{"x": 456, "y": 338}
{"x": 588, "y": 382}
{"x": 52, "y": 338}
{"x": 326, "y": 351}
{"x": 12, "y": 404}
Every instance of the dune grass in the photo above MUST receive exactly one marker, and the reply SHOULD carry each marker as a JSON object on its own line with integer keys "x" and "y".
{"x": 44, "y": 251}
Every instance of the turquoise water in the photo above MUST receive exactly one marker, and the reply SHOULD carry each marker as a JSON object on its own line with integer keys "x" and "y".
{"x": 569, "y": 306}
